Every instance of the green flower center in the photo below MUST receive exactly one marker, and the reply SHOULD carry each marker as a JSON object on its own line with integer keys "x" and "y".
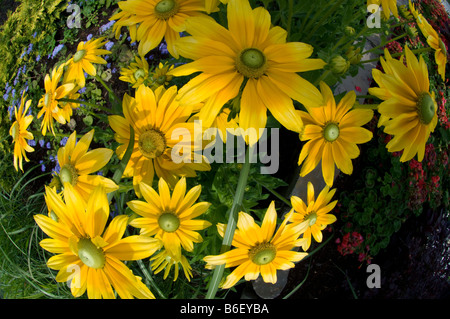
{"x": 15, "y": 131}
{"x": 139, "y": 74}
{"x": 161, "y": 79}
{"x": 331, "y": 132}
{"x": 311, "y": 217}
{"x": 152, "y": 143}
{"x": 166, "y": 9}
{"x": 89, "y": 254}
{"x": 68, "y": 174}
{"x": 425, "y": 108}
{"x": 262, "y": 254}
{"x": 251, "y": 63}
{"x": 47, "y": 99}
{"x": 79, "y": 55}
{"x": 169, "y": 222}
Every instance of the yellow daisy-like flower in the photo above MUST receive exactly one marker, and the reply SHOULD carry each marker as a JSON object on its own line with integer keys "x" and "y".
{"x": 409, "y": 110}
{"x": 86, "y": 254}
{"x": 249, "y": 50}
{"x": 259, "y": 249}
{"x": 170, "y": 218}
{"x": 19, "y": 133}
{"x": 158, "y": 19}
{"x": 136, "y": 73}
{"x": 159, "y": 123}
{"x": 332, "y": 132}
{"x": 49, "y": 101}
{"x": 315, "y": 215}
{"x": 68, "y": 107}
{"x": 160, "y": 76}
{"x": 164, "y": 261}
{"x": 389, "y": 6}
{"x": 433, "y": 40}
{"x": 87, "y": 53}
{"x": 78, "y": 165}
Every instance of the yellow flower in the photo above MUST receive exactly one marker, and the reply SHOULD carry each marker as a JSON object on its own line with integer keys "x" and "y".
{"x": 158, "y": 19}
{"x": 314, "y": 215}
{"x": 160, "y": 76}
{"x": 87, "y": 53}
{"x": 159, "y": 123}
{"x": 212, "y": 5}
{"x": 332, "y": 132}
{"x": 253, "y": 51}
{"x": 78, "y": 165}
{"x": 170, "y": 218}
{"x": 121, "y": 20}
{"x": 409, "y": 110}
{"x": 389, "y": 6}
{"x": 258, "y": 250}
{"x": 433, "y": 40}
{"x": 165, "y": 260}
{"x": 86, "y": 254}
{"x": 68, "y": 107}
{"x": 19, "y": 132}
{"x": 49, "y": 101}
{"x": 136, "y": 73}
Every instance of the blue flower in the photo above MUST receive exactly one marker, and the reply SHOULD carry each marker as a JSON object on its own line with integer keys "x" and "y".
{"x": 63, "y": 141}
{"x": 163, "y": 48}
{"x": 82, "y": 90}
{"x": 41, "y": 143}
{"x": 31, "y": 142}
{"x": 5, "y": 96}
{"x": 48, "y": 145}
{"x": 38, "y": 58}
{"x": 42, "y": 165}
{"x": 106, "y": 27}
{"x": 109, "y": 45}
{"x": 30, "y": 48}
{"x": 89, "y": 37}
{"x": 58, "y": 48}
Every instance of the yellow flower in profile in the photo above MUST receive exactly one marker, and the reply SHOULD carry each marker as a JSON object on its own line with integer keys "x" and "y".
{"x": 159, "y": 124}
{"x": 170, "y": 218}
{"x": 389, "y": 6}
{"x": 19, "y": 133}
{"x": 160, "y": 76}
{"x": 332, "y": 132}
{"x": 87, "y": 255}
{"x": 165, "y": 261}
{"x": 68, "y": 107}
{"x": 315, "y": 215}
{"x": 49, "y": 101}
{"x": 158, "y": 19}
{"x": 259, "y": 249}
{"x": 408, "y": 108}
{"x": 136, "y": 73}
{"x": 253, "y": 51}
{"x": 77, "y": 165}
{"x": 433, "y": 40}
{"x": 87, "y": 53}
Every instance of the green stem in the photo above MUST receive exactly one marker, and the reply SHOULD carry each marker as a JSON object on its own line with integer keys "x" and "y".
{"x": 110, "y": 91}
{"x": 402, "y": 23}
{"x": 289, "y": 21}
{"x": 324, "y": 18}
{"x": 85, "y": 103}
{"x": 276, "y": 194}
{"x": 384, "y": 44}
{"x": 232, "y": 222}
{"x": 366, "y": 97}
{"x": 356, "y": 37}
{"x": 149, "y": 277}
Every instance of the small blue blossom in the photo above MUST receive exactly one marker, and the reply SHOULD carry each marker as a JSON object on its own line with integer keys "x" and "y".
{"x": 30, "y": 48}
{"x": 48, "y": 145}
{"x": 114, "y": 70}
{"x": 5, "y": 96}
{"x": 109, "y": 45}
{"x": 41, "y": 143}
{"x": 163, "y": 48}
{"x": 42, "y": 165}
{"x": 13, "y": 93}
{"x": 106, "y": 26}
{"x": 34, "y": 34}
{"x": 31, "y": 142}
{"x": 82, "y": 90}
{"x": 63, "y": 141}
{"x": 38, "y": 58}
{"x": 57, "y": 49}
{"x": 89, "y": 37}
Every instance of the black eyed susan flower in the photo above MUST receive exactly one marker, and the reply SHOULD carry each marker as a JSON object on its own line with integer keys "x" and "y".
{"x": 19, "y": 133}
{"x": 408, "y": 107}
{"x": 87, "y": 255}
{"x": 253, "y": 52}
{"x": 156, "y": 117}
{"x": 77, "y": 165}
{"x": 333, "y": 132}
{"x": 170, "y": 218}
{"x": 164, "y": 260}
{"x": 259, "y": 249}
{"x": 315, "y": 214}
{"x": 137, "y": 73}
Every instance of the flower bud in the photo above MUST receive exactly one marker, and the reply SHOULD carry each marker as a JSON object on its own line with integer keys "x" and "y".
{"x": 339, "y": 65}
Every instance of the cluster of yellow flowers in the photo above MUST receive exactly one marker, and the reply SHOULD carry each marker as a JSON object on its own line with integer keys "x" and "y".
{"x": 249, "y": 64}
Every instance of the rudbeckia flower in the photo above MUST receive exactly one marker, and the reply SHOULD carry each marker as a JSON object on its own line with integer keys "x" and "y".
{"x": 136, "y": 73}
{"x": 158, "y": 19}
{"x": 389, "y": 6}
{"x": 49, "y": 101}
{"x": 78, "y": 165}
{"x": 253, "y": 52}
{"x": 333, "y": 132}
{"x": 433, "y": 40}
{"x": 87, "y": 255}
{"x": 160, "y": 77}
{"x": 259, "y": 249}
{"x": 19, "y": 133}
{"x": 315, "y": 216}
{"x": 170, "y": 218}
{"x": 159, "y": 125}
{"x": 165, "y": 261}
{"x": 408, "y": 108}
{"x": 87, "y": 53}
